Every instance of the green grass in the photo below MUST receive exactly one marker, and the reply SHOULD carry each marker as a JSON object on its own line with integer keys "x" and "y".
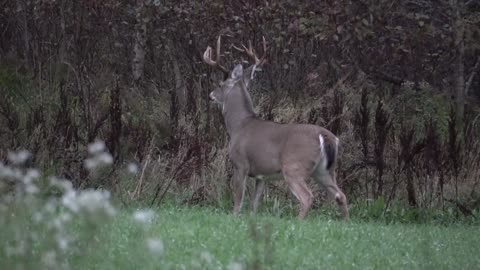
{"x": 315, "y": 243}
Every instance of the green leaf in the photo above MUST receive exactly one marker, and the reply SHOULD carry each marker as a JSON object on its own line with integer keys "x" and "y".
{"x": 303, "y": 20}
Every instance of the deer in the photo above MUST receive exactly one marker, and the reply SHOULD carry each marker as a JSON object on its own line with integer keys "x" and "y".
{"x": 265, "y": 150}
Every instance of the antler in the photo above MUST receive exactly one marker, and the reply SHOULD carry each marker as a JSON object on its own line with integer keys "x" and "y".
{"x": 207, "y": 57}
{"x": 250, "y": 52}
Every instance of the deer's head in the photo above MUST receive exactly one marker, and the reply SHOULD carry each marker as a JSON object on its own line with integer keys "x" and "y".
{"x": 237, "y": 78}
{"x": 220, "y": 93}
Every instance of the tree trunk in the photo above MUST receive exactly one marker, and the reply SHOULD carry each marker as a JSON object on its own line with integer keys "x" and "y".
{"x": 412, "y": 198}
{"x": 22, "y": 7}
{"x": 115, "y": 120}
{"x": 459, "y": 64}
{"x": 63, "y": 42}
{"x": 179, "y": 83}
{"x": 140, "y": 41}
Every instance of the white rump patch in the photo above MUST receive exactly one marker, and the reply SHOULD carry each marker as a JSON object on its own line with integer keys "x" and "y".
{"x": 322, "y": 151}
{"x": 322, "y": 148}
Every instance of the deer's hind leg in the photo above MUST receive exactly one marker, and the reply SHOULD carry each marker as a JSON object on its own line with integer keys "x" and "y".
{"x": 327, "y": 179}
{"x": 295, "y": 176}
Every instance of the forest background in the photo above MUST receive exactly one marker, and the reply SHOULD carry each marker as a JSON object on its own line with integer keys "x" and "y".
{"x": 396, "y": 81}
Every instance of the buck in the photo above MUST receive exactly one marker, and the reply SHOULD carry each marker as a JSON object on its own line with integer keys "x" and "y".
{"x": 264, "y": 149}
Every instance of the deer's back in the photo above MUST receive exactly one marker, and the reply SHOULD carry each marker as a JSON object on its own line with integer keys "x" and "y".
{"x": 263, "y": 146}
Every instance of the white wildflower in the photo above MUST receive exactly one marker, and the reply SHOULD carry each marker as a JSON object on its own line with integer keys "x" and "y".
{"x": 69, "y": 200}
{"x": 99, "y": 160}
{"x": 96, "y": 147}
{"x": 65, "y": 185}
{"x": 28, "y": 180}
{"x": 62, "y": 243}
{"x": 54, "y": 181}
{"x": 19, "y": 157}
{"x": 31, "y": 189}
{"x": 49, "y": 259}
{"x": 32, "y": 174}
{"x": 110, "y": 210}
{"x": 50, "y": 206}
{"x": 235, "y": 266}
{"x": 105, "y": 158}
{"x": 206, "y": 257}
{"x": 65, "y": 217}
{"x": 94, "y": 200}
{"x": 38, "y": 217}
{"x": 91, "y": 201}
{"x": 132, "y": 168}
{"x": 144, "y": 216}
{"x": 99, "y": 156}
{"x": 57, "y": 223}
{"x": 155, "y": 246}
{"x": 90, "y": 163}
{"x": 9, "y": 172}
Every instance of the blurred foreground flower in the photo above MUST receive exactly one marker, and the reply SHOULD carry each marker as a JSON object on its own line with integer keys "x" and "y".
{"x": 55, "y": 208}
{"x": 235, "y": 266}
{"x": 91, "y": 201}
{"x": 132, "y": 168}
{"x": 155, "y": 246}
{"x": 99, "y": 156}
{"x": 144, "y": 216}
{"x": 206, "y": 257}
{"x": 96, "y": 147}
{"x": 19, "y": 157}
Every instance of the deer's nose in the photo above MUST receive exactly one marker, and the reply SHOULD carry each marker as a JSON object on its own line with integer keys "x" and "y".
{"x": 212, "y": 98}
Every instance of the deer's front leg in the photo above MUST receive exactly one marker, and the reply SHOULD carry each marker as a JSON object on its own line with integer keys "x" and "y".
{"x": 259, "y": 187}
{"x": 238, "y": 181}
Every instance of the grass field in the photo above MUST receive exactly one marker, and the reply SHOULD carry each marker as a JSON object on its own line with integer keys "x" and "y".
{"x": 50, "y": 225}
{"x": 202, "y": 238}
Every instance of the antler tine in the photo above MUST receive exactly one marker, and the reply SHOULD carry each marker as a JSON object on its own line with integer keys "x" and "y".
{"x": 207, "y": 57}
{"x": 250, "y": 52}
{"x": 264, "y": 57}
{"x": 218, "y": 48}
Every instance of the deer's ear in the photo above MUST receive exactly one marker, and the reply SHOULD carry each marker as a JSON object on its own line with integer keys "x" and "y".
{"x": 237, "y": 72}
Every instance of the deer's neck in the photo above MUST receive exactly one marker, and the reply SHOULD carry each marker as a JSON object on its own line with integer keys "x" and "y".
{"x": 238, "y": 109}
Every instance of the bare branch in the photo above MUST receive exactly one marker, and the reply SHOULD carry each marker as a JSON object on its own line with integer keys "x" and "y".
{"x": 472, "y": 75}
